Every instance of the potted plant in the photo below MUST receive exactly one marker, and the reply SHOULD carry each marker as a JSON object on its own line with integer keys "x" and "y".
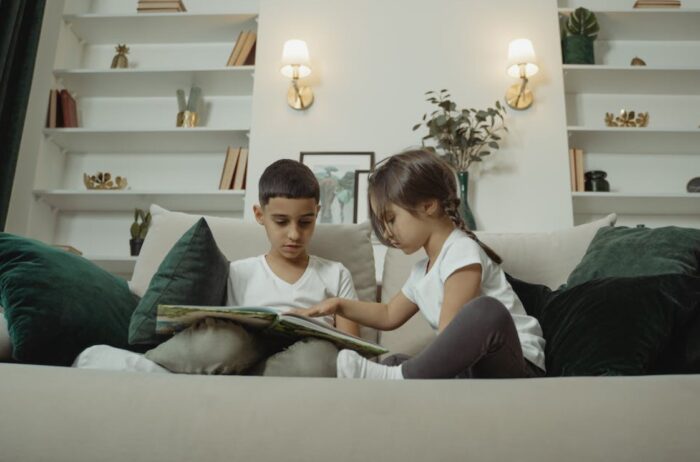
{"x": 462, "y": 137}
{"x": 139, "y": 229}
{"x": 580, "y": 30}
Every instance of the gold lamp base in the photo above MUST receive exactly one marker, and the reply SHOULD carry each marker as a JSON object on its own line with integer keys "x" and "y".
{"x": 300, "y": 98}
{"x": 518, "y": 97}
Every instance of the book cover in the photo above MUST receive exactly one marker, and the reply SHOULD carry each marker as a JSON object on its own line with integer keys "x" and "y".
{"x": 572, "y": 169}
{"x": 250, "y": 60}
{"x": 240, "y": 169}
{"x": 229, "y": 168}
{"x": 238, "y": 47}
{"x": 247, "y": 47}
{"x": 580, "y": 181}
{"x": 171, "y": 319}
{"x": 66, "y": 108}
{"x": 52, "y": 109}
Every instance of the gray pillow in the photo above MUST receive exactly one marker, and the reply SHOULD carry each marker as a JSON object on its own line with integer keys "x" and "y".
{"x": 212, "y": 346}
{"x": 310, "y": 357}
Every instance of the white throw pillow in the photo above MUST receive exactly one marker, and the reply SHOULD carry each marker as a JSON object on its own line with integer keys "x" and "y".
{"x": 541, "y": 258}
{"x": 5, "y": 344}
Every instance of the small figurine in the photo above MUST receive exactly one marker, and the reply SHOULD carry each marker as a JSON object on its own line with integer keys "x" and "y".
{"x": 120, "y": 61}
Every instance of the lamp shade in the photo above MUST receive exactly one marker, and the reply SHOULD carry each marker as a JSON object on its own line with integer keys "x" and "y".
{"x": 521, "y": 51}
{"x": 295, "y": 54}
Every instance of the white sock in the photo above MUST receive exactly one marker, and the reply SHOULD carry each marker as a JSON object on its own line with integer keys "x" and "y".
{"x": 353, "y": 366}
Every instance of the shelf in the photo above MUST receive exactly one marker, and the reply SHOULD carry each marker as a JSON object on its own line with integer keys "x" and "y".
{"x": 582, "y": 78}
{"x": 199, "y": 139}
{"x": 112, "y": 201}
{"x": 667, "y": 24}
{"x": 159, "y": 27}
{"x": 633, "y": 140}
{"x": 636, "y": 203}
{"x": 118, "y": 265}
{"x": 224, "y": 81}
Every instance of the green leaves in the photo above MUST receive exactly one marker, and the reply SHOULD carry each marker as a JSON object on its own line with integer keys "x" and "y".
{"x": 583, "y": 22}
{"x": 460, "y": 136}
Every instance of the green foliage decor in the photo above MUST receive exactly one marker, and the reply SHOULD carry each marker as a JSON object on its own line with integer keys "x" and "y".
{"x": 142, "y": 221}
{"x": 461, "y": 136}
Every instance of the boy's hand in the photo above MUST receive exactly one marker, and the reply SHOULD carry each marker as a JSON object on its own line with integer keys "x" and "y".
{"x": 325, "y": 308}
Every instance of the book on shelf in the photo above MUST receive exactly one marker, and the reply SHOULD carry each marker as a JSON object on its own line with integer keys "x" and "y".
{"x": 54, "y": 116}
{"x": 578, "y": 165}
{"x": 161, "y": 6}
{"x": 241, "y": 167}
{"x": 229, "y": 168}
{"x": 247, "y": 55}
{"x": 243, "y": 52}
{"x": 66, "y": 112}
{"x": 171, "y": 319}
{"x": 657, "y": 4}
{"x": 68, "y": 248}
{"x": 572, "y": 168}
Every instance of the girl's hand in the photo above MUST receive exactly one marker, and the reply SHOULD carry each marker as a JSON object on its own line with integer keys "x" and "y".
{"x": 327, "y": 307}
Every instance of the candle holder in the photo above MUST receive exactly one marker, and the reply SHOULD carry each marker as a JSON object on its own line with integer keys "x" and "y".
{"x": 187, "y": 119}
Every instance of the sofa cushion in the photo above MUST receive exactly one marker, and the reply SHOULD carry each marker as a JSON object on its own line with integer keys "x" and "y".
{"x": 617, "y": 325}
{"x": 194, "y": 272}
{"x": 623, "y": 251}
{"x": 544, "y": 258}
{"x": 211, "y": 346}
{"x": 349, "y": 244}
{"x": 58, "y": 304}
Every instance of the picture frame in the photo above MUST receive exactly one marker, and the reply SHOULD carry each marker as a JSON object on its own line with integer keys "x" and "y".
{"x": 361, "y": 212}
{"x": 335, "y": 172}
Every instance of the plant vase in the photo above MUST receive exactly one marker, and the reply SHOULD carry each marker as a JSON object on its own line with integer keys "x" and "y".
{"x": 577, "y": 49}
{"x": 135, "y": 246}
{"x": 464, "y": 210}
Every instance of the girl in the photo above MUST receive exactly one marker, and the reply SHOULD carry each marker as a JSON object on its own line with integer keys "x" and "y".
{"x": 482, "y": 327}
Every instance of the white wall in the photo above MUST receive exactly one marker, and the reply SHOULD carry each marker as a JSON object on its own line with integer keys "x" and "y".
{"x": 372, "y": 62}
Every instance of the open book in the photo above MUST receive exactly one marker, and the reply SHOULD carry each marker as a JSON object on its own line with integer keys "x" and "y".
{"x": 174, "y": 318}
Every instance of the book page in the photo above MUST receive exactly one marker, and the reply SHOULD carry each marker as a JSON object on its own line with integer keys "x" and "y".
{"x": 174, "y": 318}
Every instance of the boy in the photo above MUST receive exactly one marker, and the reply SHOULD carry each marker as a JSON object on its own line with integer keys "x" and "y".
{"x": 286, "y": 277}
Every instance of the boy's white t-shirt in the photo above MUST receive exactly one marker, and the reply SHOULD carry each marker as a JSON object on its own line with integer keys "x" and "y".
{"x": 459, "y": 250}
{"x": 252, "y": 282}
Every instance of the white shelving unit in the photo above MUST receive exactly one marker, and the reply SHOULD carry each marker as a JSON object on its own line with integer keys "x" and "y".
{"x": 648, "y": 167}
{"x": 127, "y": 119}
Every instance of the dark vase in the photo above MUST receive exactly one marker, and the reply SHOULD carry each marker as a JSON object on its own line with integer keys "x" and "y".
{"x": 135, "y": 245}
{"x": 464, "y": 210}
{"x": 595, "y": 181}
{"x": 577, "y": 49}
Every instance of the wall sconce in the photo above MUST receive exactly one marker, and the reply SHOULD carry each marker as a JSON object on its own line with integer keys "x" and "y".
{"x": 521, "y": 64}
{"x": 295, "y": 66}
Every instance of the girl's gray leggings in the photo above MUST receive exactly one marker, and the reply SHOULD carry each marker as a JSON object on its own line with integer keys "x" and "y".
{"x": 480, "y": 342}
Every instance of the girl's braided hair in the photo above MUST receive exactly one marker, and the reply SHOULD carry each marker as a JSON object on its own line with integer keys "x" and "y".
{"x": 412, "y": 177}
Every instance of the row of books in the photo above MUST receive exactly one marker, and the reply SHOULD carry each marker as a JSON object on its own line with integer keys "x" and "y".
{"x": 233, "y": 173}
{"x": 243, "y": 52}
{"x": 160, "y": 6}
{"x": 62, "y": 111}
{"x": 657, "y": 4}
{"x": 576, "y": 169}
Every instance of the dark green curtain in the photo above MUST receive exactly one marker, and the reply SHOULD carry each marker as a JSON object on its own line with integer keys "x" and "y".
{"x": 20, "y": 26}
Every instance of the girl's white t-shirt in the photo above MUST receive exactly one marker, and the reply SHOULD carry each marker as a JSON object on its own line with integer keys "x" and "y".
{"x": 427, "y": 290}
{"x": 252, "y": 282}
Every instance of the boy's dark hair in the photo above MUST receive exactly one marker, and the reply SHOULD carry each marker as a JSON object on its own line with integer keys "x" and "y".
{"x": 287, "y": 178}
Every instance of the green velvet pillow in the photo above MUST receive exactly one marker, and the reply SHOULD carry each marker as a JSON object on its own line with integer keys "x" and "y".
{"x": 194, "y": 272}
{"x": 622, "y": 251}
{"x": 57, "y": 304}
{"x": 618, "y": 326}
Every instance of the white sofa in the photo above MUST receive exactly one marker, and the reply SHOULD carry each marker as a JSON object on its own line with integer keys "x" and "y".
{"x": 65, "y": 414}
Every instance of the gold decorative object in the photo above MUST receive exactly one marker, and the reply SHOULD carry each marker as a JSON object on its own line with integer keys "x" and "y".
{"x": 102, "y": 180}
{"x": 637, "y": 61}
{"x": 187, "y": 119}
{"x": 120, "y": 61}
{"x": 627, "y": 119}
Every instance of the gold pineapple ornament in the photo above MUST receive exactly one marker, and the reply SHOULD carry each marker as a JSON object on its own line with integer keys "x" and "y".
{"x": 120, "y": 61}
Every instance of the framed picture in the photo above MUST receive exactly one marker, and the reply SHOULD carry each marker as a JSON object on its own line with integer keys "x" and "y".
{"x": 335, "y": 172}
{"x": 361, "y": 199}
